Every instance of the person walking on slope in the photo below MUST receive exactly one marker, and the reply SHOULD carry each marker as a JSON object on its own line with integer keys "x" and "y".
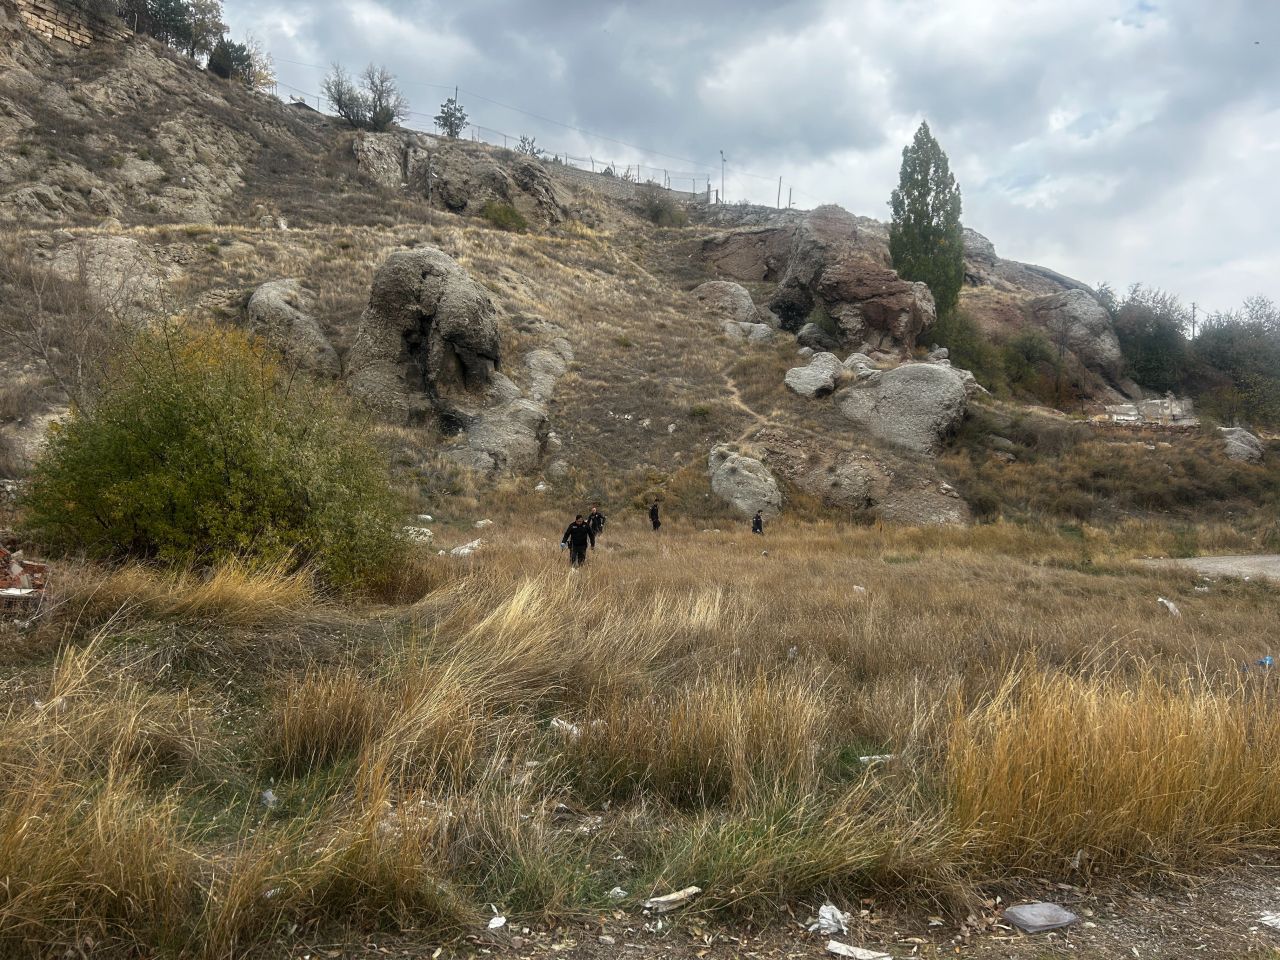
{"x": 595, "y": 523}
{"x": 653, "y": 516}
{"x": 576, "y": 537}
{"x": 757, "y": 524}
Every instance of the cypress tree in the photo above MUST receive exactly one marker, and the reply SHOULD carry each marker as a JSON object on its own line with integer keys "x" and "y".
{"x": 926, "y": 239}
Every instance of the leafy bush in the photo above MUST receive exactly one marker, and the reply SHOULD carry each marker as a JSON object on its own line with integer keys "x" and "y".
{"x": 504, "y": 216}
{"x": 200, "y": 448}
{"x": 971, "y": 350}
{"x": 658, "y": 207}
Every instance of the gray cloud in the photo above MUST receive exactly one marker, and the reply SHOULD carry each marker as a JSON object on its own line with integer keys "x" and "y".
{"x": 1113, "y": 139}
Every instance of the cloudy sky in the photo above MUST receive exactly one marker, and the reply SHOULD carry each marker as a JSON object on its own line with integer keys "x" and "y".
{"x": 1118, "y": 140}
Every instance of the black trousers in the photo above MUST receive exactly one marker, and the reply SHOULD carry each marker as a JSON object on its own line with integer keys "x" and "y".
{"x": 577, "y": 555}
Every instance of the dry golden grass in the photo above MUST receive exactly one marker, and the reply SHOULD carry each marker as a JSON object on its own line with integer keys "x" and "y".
{"x": 700, "y": 709}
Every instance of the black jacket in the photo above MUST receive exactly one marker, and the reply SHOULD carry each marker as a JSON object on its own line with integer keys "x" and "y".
{"x": 653, "y": 512}
{"x": 577, "y": 535}
{"x": 595, "y": 521}
{"x": 757, "y": 524}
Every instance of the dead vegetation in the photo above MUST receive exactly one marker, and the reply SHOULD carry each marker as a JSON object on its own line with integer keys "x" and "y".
{"x": 684, "y": 710}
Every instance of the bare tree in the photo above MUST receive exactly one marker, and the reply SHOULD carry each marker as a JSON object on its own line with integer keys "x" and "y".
{"x": 346, "y": 99}
{"x": 69, "y": 321}
{"x": 386, "y": 103}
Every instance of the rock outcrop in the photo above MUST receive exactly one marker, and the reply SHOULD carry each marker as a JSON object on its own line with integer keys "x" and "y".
{"x": 816, "y": 379}
{"x": 832, "y": 264}
{"x": 427, "y": 343}
{"x": 915, "y": 406}
{"x": 280, "y": 312}
{"x": 1241, "y": 445}
{"x": 728, "y": 301}
{"x": 1075, "y": 319}
{"x": 744, "y": 483}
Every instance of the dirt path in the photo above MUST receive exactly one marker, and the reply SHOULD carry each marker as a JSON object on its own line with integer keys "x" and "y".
{"x": 1258, "y": 565}
{"x": 735, "y": 399}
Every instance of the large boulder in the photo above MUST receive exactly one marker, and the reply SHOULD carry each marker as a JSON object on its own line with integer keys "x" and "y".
{"x": 1241, "y": 445}
{"x": 744, "y": 483}
{"x": 510, "y": 438}
{"x": 728, "y": 301}
{"x": 381, "y": 157}
{"x": 280, "y": 312}
{"x": 915, "y": 406}
{"x": 427, "y": 342}
{"x": 818, "y": 378}
{"x": 463, "y": 178}
{"x": 1075, "y": 319}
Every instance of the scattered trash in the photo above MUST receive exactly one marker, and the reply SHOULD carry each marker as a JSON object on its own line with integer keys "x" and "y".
{"x": 1039, "y": 917}
{"x": 273, "y": 893}
{"x": 831, "y": 919}
{"x": 854, "y": 953}
{"x": 1170, "y": 606}
{"x": 426, "y": 517}
{"x": 878, "y": 758}
{"x": 1266, "y": 661}
{"x": 858, "y": 591}
{"x": 467, "y": 549}
{"x": 56, "y": 704}
{"x": 617, "y": 893}
{"x": 497, "y": 922}
{"x": 1271, "y": 920}
{"x": 22, "y": 582}
{"x": 793, "y": 652}
{"x": 1200, "y": 589}
{"x": 541, "y": 488}
{"x": 672, "y": 901}
{"x": 570, "y": 730}
{"x": 764, "y": 553}
{"x": 269, "y": 799}
{"x": 481, "y": 524}
{"x": 606, "y": 939}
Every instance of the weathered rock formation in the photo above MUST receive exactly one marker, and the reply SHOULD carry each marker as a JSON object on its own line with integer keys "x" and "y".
{"x": 830, "y": 267}
{"x": 817, "y": 378}
{"x": 728, "y": 301}
{"x": 915, "y": 406}
{"x": 1075, "y": 320}
{"x": 427, "y": 343}
{"x": 1241, "y": 445}
{"x": 743, "y": 482}
{"x": 280, "y": 312}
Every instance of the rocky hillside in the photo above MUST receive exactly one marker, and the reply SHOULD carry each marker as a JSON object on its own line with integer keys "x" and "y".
{"x": 751, "y": 358}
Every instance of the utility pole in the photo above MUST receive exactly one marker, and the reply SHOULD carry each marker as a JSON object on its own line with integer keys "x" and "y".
{"x": 722, "y": 162}
{"x": 779, "y": 204}
{"x": 788, "y": 198}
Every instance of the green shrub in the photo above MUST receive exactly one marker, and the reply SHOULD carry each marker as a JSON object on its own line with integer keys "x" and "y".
{"x": 971, "y": 350}
{"x": 504, "y": 216}
{"x": 200, "y": 447}
{"x": 658, "y": 207}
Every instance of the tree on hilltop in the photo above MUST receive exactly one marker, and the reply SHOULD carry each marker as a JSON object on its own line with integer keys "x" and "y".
{"x": 452, "y": 118}
{"x": 926, "y": 238}
{"x": 375, "y": 104}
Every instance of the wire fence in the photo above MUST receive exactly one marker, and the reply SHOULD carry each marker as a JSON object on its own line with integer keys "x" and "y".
{"x": 630, "y": 169}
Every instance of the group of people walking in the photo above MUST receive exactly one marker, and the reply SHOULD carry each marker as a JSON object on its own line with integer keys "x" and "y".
{"x": 581, "y": 535}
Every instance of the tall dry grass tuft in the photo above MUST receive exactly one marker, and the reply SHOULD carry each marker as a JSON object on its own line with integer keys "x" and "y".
{"x": 715, "y": 742}
{"x": 236, "y": 593}
{"x": 320, "y": 717}
{"x": 1113, "y": 771}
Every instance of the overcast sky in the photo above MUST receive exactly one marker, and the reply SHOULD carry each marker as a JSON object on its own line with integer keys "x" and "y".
{"x": 1118, "y": 140}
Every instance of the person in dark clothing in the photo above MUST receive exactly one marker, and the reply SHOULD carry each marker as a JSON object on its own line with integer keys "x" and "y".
{"x": 595, "y": 524}
{"x": 576, "y": 537}
{"x": 653, "y": 516}
{"x": 757, "y": 523}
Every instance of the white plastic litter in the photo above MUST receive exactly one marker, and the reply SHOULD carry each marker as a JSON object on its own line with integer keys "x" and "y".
{"x": 831, "y": 919}
{"x": 497, "y": 922}
{"x": 854, "y": 953}
{"x": 672, "y": 901}
{"x": 269, "y": 798}
{"x": 569, "y": 730}
{"x": 1039, "y": 917}
{"x": 617, "y": 893}
{"x": 878, "y": 758}
{"x": 1271, "y": 920}
{"x": 1170, "y": 606}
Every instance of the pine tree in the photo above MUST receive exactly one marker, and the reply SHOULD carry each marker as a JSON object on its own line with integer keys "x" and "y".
{"x": 451, "y": 119}
{"x": 926, "y": 239}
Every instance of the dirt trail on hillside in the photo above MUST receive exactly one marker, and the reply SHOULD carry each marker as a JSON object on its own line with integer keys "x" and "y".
{"x": 1257, "y": 565}
{"x": 735, "y": 399}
